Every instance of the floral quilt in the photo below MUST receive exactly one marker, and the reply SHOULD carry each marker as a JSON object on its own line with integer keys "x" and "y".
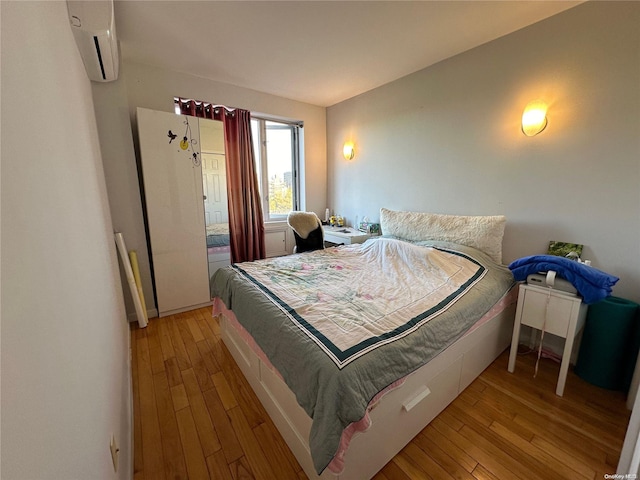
{"x": 353, "y": 299}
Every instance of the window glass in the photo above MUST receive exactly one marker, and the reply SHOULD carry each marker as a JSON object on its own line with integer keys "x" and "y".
{"x": 276, "y": 149}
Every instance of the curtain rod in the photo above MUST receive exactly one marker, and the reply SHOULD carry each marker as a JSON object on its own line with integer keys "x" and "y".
{"x": 202, "y": 102}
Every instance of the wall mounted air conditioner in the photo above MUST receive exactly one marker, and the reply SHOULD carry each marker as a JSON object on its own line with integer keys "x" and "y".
{"x": 94, "y": 29}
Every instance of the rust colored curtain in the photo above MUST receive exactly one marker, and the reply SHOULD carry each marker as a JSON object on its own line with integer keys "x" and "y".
{"x": 246, "y": 224}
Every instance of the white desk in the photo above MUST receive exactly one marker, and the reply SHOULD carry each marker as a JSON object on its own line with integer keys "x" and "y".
{"x": 561, "y": 314}
{"x": 344, "y": 235}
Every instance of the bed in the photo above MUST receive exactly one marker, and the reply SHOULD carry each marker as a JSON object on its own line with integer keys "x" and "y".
{"x": 376, "y": 337}
{"x": 218, "y": 246}
{"x": 217, "y": 235}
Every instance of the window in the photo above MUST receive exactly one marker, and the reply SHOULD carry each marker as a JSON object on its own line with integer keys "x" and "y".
{"x": 276, "y": 147}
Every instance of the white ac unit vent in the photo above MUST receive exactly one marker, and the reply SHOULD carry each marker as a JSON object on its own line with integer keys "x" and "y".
{"x": 94, "y": 29}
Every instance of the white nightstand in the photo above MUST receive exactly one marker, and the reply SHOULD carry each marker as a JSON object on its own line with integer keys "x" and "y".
{"x": 560, "y": 313}
{"x": 344, "y": 235}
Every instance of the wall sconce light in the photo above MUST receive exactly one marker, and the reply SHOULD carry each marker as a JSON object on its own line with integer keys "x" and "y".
{"x": 534, "y": 118}
{"x": 348, "y": 151}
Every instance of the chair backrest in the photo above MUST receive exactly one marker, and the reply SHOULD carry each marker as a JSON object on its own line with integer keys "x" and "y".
{"x": 307, "y": 231}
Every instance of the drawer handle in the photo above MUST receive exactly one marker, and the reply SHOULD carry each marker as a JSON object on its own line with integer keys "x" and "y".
{"x": 423, "y": 393}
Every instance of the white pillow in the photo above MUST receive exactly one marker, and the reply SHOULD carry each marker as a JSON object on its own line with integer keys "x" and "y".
{"x": 482, "y": 232}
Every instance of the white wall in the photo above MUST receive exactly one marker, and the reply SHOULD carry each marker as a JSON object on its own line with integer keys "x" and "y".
{"x": 447, "y": 139}
{"x": 65, "y": 339}
{"x": 154, "y": 88}
{"x": 121, "y": 175}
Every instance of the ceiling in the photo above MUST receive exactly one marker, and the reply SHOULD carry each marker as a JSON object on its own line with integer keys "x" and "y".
{"x": 318, "y": 52}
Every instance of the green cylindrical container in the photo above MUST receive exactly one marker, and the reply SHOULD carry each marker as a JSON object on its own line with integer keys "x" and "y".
{"x": 609, "y": 344}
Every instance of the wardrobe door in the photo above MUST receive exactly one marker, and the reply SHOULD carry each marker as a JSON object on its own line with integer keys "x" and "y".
{"x": 172, "y": 178}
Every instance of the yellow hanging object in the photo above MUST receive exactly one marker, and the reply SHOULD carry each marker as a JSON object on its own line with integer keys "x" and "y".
{"x": 184, "y": 143}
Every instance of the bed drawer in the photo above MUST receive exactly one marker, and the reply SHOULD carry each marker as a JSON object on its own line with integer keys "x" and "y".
{"x": 401, "y": 415}
{"x": 241, "y": 352}
{"x": 278, "y": 391}
{"x": 420, "y": 396}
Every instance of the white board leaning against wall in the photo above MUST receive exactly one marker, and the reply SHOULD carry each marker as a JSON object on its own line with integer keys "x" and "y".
{"x": 172, "y": 178}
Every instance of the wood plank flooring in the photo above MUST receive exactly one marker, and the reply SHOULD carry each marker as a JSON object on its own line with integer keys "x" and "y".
{"x": 196, "y": 417}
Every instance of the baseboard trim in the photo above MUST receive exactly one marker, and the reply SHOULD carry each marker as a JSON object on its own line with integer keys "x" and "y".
{"x": 133, "y": 317}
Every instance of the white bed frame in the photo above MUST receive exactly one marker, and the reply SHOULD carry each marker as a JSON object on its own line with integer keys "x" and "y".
{"x": 399, "y": 416}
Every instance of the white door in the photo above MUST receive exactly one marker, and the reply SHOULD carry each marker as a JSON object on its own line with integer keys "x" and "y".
{"x": 214, "y": 171}
{"x": 214, "y": 183}
{"x": 172, "y": 178}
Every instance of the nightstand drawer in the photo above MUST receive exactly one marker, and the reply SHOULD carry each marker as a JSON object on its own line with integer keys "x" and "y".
{"x": 558, "y": 313}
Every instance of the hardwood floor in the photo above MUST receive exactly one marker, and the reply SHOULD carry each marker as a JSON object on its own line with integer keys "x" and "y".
{"x": 196, "y": 417}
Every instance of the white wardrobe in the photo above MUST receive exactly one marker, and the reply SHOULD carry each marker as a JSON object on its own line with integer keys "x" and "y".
{"x": 171, "y": 159}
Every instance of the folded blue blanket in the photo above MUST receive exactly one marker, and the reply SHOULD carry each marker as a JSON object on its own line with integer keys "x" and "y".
{"x": 593, "y": 284}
